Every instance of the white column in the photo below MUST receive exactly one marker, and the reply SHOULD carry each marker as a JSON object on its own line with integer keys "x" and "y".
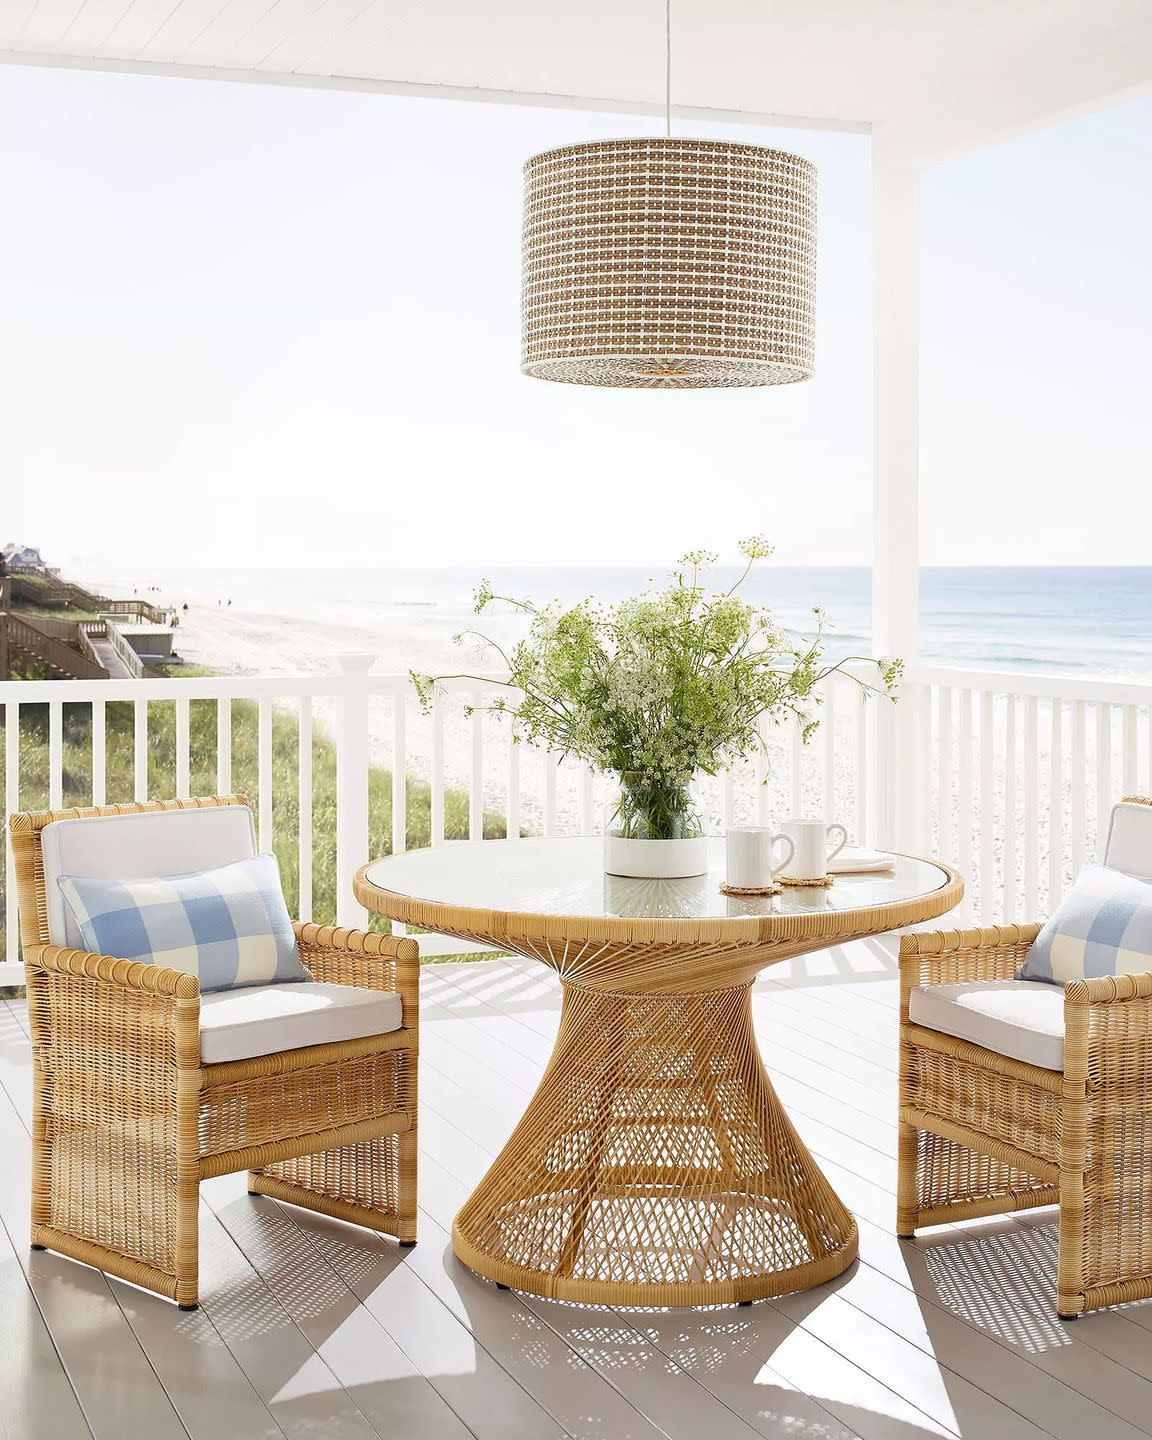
{"x": 896, "y": 471}
{"x": 352, "y": 787}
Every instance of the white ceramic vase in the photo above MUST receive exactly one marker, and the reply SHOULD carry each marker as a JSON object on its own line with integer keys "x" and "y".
{"x": 656, "y": 859}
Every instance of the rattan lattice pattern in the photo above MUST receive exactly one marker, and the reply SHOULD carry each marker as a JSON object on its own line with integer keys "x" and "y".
{"x": 655, "y": 1164}
{"x": 668, "y": 263}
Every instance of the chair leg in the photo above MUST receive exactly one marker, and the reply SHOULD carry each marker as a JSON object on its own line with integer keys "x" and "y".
{"x": 370, "y": 1183}
{"x": 115, "y": 1163}
{"x": 907, "y": 1159}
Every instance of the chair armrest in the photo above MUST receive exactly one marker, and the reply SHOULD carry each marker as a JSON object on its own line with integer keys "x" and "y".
{"x": 943, "y": 957}
{"x": 124, "y": 1025}
{"x": 363, "y": 957}
{"x": 128, "y": 974}
{"x": 1108, "y": 1033}
{"x": 1108, "y": 990}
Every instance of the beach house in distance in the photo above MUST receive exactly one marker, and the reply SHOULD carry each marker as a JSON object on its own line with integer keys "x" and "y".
{"x": 54, "y": 629}
{"x": 21, "y": 560}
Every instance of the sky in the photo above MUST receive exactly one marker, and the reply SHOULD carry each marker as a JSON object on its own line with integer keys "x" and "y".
{"x": 277, "y": 326}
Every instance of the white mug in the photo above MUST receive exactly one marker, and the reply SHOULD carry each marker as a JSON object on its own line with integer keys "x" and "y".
{"x": 750, "y": 862}
{"x": 810, "y": 848}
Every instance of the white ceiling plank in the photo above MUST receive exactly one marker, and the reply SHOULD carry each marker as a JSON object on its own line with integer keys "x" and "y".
{"x": 278, "y": 25}
{"x": 14, "y": 15}
{"x": 93, "y": 24}
{"x": 48, "y": 23}
{"x": 174, "y": 37}
{"x": 305, "y": 48}
{"x": 216, "y": 43}
{"x": 139, "y": 24}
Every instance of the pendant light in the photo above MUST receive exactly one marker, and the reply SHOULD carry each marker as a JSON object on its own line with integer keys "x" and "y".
{"x": 668, "y": 263}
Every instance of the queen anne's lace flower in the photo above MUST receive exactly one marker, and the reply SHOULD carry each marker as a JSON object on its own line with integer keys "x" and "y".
{"x": 660, "y": 687}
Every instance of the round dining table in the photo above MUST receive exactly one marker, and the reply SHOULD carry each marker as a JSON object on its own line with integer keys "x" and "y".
{"x": 655, "y": 1164}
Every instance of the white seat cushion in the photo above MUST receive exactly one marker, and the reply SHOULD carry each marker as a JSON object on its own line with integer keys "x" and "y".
{"x": 1023, "y": 1019}
{"x": 265, "y": 1019}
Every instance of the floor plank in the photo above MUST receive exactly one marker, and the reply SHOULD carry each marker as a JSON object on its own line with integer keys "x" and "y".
{"x": 312, "y": 1327}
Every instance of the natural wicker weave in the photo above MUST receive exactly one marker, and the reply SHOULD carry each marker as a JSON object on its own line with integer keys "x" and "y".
{"x": 127, "y": 1121}
{"x": 655, "y": 1165}
{"x": 665, "y": 263}
{"x": 981, "y": 1134}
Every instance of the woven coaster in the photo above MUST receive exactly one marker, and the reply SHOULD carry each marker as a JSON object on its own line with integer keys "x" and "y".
{"x": 821, "y": 884}
{"x": 750, "y": 889}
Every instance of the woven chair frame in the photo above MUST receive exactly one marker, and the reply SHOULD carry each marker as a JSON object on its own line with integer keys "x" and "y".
{"x": 127, "y": 1120}
{"x": 655, "y": 1164}
{"x": 981, "y": 1134}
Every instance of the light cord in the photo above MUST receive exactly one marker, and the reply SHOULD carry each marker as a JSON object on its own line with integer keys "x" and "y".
{"x": 668, "y": 68}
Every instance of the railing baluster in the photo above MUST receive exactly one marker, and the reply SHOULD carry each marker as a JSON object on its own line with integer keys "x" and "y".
{"x": 99, "y": 753}
{"x": 11, "y": 806}
{"x": 351, "y": 786}
{"x": 1128, "y": 773}
{"x": 55, "y": 754}
{"x": 964, "y": 781}
{"x": 304, "y": 804}
{"x": 862, "y": 770}
{"x": 828, "y": 735}
{"x": 1031, "y": 809}
{"x": 588, "y": 802}
{"x": 399, "y": 771}
{"x": 987, "y": 806}
{"x": 926, "y": 732}
{"x": 945, "y": 808}
{"x": 1011, "y": 820}
{"x": 140, "y": 750}
{"x": 1103, "y": 773}
{"x": 1056, "y": 806}
{"x": 437, "y": 777}
{"x": 796, "y": 746}
{"x": 727, "y": 800}
{"x": 551, "y": 764}
{"x": 183, "y": 789}
{"x": 264, "y": 773}
{"x": 223, "y": 746}
{"x": 476, "y": 779}
{"x": 761, "y": 776}
{"x": 512, "y": 823}
{"x": 1079, "y": 786}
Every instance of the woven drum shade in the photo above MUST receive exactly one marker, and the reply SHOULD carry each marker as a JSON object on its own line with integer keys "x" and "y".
{"x": 668, "y": 263}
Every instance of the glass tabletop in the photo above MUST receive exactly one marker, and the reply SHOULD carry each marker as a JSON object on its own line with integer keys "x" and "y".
{"x": 566, "y": 877}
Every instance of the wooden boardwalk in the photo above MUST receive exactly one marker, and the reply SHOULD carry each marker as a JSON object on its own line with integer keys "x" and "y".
{"x": 313, "y": 1328}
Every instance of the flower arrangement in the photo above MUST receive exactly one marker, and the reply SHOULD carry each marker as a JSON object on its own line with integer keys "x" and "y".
{"x": 659, "y": 687}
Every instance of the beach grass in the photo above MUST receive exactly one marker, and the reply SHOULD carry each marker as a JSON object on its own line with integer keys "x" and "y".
{"x": 120, "y": 786}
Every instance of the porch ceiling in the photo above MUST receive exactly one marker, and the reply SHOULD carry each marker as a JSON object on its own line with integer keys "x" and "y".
{"x": 942, "y": 75}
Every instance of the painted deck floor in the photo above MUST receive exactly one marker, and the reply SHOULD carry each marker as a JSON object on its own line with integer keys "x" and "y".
{"x": 313, "y": 1328}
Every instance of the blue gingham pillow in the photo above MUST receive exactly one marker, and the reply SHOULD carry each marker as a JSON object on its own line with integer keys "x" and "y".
{"x": 229, "y": 927}
{"x": 1103, "y": 926}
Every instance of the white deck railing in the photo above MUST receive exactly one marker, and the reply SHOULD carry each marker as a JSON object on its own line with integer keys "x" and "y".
{"x": 1010, "y": 776}
{"x": 1014, "y": 776}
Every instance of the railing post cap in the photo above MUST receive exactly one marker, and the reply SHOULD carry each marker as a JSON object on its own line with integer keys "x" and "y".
{"x": 355, "y": 662}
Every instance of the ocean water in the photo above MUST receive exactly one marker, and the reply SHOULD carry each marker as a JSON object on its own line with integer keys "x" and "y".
{"x": 1070, "y": 620}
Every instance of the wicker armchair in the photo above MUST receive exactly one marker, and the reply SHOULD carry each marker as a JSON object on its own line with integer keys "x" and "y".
{"x": 127, "y": 1120}
{"x": 984, "y": 1134}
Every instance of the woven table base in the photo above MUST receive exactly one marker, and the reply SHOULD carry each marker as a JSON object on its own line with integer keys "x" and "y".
{"x": 655, "y": 1166}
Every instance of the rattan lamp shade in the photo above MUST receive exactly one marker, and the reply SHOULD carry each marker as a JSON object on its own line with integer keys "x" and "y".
{"x": 668, "y": 263}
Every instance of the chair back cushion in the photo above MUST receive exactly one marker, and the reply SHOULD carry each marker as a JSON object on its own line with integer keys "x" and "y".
{"x": 139, "y": 847}
{"x": 1129, "y": 844}
{"x": 1103, "y": 926}
{"x": 229, "y": 927}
